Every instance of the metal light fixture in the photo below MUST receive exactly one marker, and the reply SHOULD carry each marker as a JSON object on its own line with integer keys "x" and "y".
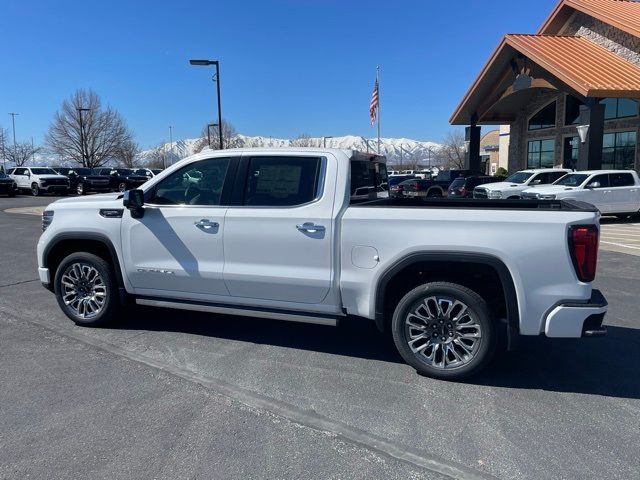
{"x": 583, "y": 130}
{"x": 216, "y": 78}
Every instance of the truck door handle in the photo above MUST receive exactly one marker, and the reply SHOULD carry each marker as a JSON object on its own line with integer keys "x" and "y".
{"x": 310, "y": 227}
{"x": 205, "y": 224}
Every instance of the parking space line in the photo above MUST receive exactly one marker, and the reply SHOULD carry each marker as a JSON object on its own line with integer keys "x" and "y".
{"x": 621, "y": 245}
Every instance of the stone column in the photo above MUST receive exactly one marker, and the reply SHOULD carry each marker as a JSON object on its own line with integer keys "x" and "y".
{"x": 590, "y": 152}
{"x": 472, "y": 158}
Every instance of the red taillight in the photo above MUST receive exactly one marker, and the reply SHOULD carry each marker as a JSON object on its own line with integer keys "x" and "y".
{"x": 583, "y": 245}
{"x": 462, "y": 190}
{"x": 418, "y": 186}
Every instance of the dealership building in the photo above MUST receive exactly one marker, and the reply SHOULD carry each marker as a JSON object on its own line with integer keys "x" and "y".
{"x": 565, "y": 96}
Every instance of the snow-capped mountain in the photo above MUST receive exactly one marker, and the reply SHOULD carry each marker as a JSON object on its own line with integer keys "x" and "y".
{"x": 396, "y": 150}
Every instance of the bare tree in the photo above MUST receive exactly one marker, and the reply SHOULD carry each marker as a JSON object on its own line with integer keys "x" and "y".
{"x": 302, "y": 140}
{"x": 92, "y": 142}
{"x": 157, "y": 157}
{"x": 127, "y": 154}
{"x": 21, "y": 153}
{"x": 230, "y": 137}
{"x": 453, "y": 150}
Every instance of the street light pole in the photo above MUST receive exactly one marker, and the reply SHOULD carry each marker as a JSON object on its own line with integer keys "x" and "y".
{"x": 82, "y": 146}
{"x": 209, "y": 132}
{"x": 13, "y": 120}
{"x": 216, "y": 78}
{"x": 171, "y": 142}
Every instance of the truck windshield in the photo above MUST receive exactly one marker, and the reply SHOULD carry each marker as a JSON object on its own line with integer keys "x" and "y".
{"x": 572, "y": 179}
{"x": 519, "y": 177}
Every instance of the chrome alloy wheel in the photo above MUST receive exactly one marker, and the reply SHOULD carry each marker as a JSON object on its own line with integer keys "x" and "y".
{"x": 443, "y": 332}
{"x": 83, "y": 290}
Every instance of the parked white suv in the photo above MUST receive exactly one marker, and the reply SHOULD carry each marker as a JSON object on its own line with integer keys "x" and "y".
{"x": 517, "y": 183}
{"x": 289, "y": 234}
{"x": 39, "y": 180}
{"x": 614, "y": 192}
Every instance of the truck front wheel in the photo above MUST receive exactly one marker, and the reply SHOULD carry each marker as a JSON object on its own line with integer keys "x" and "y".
{"x": 444, "y": 330}
{"x": 86, "y": 289}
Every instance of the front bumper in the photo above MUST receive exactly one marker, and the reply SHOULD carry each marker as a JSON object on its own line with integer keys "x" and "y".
{"x": 575, "y": 320}
{"x": 54, "y": 188}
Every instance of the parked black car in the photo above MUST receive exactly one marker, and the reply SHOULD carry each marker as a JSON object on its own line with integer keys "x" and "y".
{"x": 85, "y": 180}
{"x": 122, "y": 179}
{"x": 438, "y": 186}
{"x": 462, "y": 187}
{"x": 395, "y": 184}
{"x": 8, "y": 186}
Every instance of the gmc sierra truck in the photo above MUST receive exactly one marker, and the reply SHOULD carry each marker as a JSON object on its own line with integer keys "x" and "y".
{"x": 311, "y": 235}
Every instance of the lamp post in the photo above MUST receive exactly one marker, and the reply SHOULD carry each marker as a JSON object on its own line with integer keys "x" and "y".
{"x": 82, "y": 147}
{"x": 209, "y": 132}
{"x": 13, "y": 121}
{"x": 171, "y": 143}
{"x": 366, "y": 141}
{"x": 216, "y": 78}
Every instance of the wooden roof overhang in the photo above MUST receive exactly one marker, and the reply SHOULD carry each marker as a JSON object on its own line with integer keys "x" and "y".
{"x": 522, "y": 65}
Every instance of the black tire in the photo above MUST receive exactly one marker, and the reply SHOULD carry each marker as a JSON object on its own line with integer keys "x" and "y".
{"x": 12, "y": 194}
{"x": 434, "y": 193}
{"x": 111, "y": 303}
{"x": 35, "y": 190}
{"x": 482, "y": 352}
{"x": 513, "y": 197}
{"x": 80, "y": 190}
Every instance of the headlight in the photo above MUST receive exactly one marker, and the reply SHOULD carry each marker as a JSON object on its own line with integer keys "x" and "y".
{"x": 542, "y": 196}
{"x": 494, "y": 194}
{"x": 47, "y": 218}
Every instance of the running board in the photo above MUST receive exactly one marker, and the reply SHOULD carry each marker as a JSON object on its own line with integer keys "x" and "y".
{"x": 243, "y": 311}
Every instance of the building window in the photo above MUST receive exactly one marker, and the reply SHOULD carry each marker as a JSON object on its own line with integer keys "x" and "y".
{"x": 545, "y": 118}
{"x": 619, "y": 108}
{"x": 572, "y": 110}
{"x": 540, "y": 153}
{"x": 619, "y": 150}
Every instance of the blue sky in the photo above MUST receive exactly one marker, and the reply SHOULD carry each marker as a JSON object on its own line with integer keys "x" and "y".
{"x": 287, "y": 67}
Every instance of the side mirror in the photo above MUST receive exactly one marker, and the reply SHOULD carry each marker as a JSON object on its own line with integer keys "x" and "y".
{"x": 28, "y": 173}
{"x": 536, "y": 182}
{"x": 134, "y": 201}
{"x": 594, "y": 185}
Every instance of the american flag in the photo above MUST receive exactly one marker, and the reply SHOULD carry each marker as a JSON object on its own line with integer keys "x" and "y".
{"x": 373, "y": 106}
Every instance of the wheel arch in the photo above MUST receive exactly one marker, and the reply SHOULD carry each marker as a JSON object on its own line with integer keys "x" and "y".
{"x": 63, "y": 244}
{"x": 466, "y": 259}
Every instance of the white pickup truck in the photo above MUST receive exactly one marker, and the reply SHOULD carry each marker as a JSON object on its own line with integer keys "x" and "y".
{"x": 613, "y": 192}
{"x": 515, "y": 184}
{"x": 279, "y": 234}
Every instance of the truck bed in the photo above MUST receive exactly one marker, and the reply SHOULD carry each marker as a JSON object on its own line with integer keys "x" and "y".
{"x": 484, "y": 204}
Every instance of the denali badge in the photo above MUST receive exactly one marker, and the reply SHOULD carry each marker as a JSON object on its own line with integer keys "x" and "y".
{"x": 156, "y": 270}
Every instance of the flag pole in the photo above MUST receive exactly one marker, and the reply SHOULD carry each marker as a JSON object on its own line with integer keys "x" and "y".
{"x": 378, "y": 82}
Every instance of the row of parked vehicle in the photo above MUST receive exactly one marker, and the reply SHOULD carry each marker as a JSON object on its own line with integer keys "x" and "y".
{"x": 613, "y": 192}
{"x": 65, "y": 180}
{"x": 451, "y": 183}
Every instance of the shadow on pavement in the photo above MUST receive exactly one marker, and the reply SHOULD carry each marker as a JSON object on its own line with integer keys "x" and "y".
{"x": 605, "y": 366}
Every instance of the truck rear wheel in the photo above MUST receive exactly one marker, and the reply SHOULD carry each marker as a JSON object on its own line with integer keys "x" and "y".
{"x": 86, "y": 289}
{"x": 444, "y": 330}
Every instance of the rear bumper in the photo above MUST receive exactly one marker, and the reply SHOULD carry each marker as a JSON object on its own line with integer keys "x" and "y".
{"x": 575, "y": 320}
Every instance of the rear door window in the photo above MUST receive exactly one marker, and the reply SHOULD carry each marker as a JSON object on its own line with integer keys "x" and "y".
{"x": 282, "y": 181}
{"x": 621, "y": 180}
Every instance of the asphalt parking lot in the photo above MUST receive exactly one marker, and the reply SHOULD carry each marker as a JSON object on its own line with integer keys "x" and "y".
{"x": 167, "y": 394}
